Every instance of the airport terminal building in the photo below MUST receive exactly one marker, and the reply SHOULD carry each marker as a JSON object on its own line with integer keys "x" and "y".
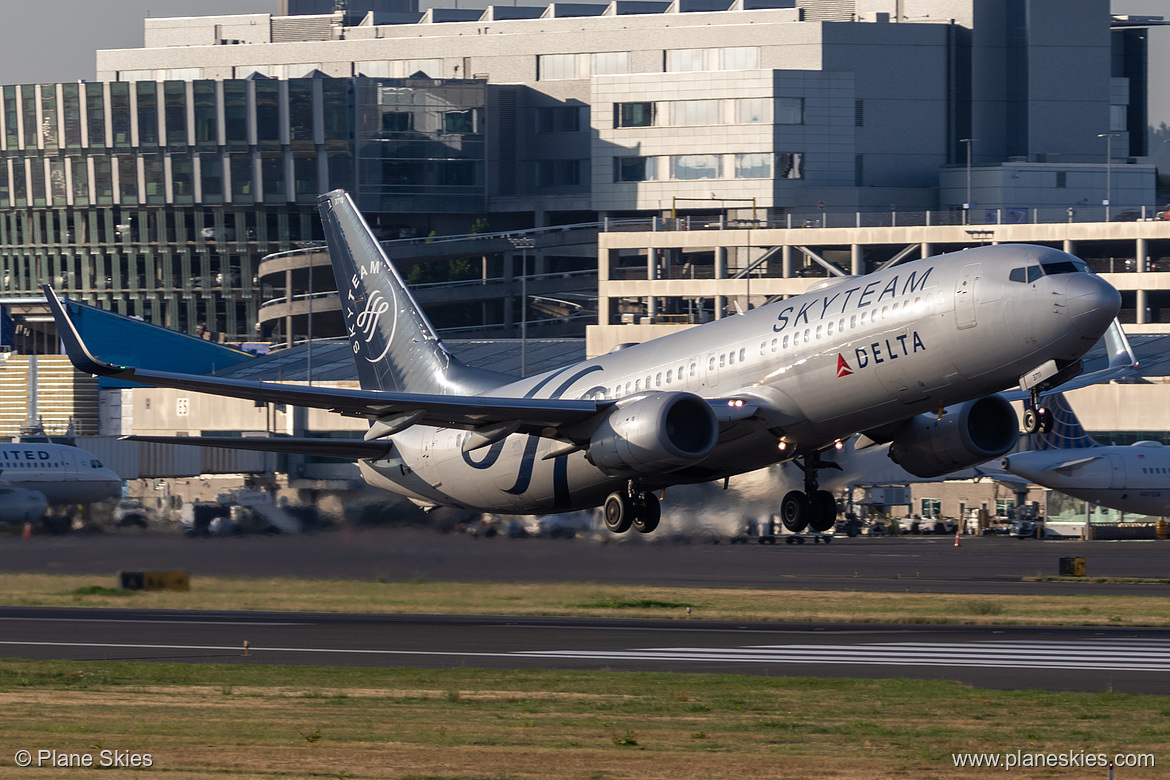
{"x": 157, "y": 190}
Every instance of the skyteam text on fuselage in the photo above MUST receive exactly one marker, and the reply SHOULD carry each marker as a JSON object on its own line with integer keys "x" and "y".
{"x": 939, "y": 335}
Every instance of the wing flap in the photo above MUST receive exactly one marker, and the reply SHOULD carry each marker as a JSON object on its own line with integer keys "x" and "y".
{"x": 352, "y": 449}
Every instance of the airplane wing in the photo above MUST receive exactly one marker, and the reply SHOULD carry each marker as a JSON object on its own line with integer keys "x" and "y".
{"x": 396, "y": 411}
{"x": 353, "y": 449}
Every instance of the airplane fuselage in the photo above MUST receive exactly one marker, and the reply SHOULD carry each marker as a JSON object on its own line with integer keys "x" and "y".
{"x": 1133, "y": 478}
{"x": 852, "y": 356}
{"x": 63, "y": 474}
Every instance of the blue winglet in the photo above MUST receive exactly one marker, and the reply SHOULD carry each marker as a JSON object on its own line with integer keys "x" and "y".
{"x": 79, "y": 355}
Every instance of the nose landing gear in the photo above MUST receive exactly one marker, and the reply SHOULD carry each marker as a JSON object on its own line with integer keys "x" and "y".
{"x": 1037, "y": 418}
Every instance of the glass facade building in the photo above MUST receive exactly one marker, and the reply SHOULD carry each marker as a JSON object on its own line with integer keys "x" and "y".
{"x": 158, "y": 198}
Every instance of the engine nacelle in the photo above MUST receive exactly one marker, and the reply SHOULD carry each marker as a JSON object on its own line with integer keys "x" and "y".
{"x": 968, "y": 434}
{"x": 18, "y": 505}
{"x": 659, "y": 433}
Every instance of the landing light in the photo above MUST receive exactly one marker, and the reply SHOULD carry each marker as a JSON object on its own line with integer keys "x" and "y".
{"x": 782, "y": 445}
{"x": 735, "y": 403}
{"x": 838, "y": 444}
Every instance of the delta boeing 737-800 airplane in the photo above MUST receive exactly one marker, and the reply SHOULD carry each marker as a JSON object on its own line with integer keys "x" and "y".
{"x": 912, "y": 355}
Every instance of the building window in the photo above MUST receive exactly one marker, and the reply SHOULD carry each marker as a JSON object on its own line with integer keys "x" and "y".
{"x": 684, "y": 60}
{"x": 119, "y": 109}
{"x": 551, "y": 67}
{"x": 696, "y": 112}
{"x": 859, "y": 113}
{"x": 559, "y": 119}
{"x": 175, "y": 111}
{"x": 1061, "y": 179}
{"x": 740, "y": 58}
{"x": 790, "y": 111}
{"x": 610, "y": 62}
{"x": 639, "y": 114}
{"x": 147, "y": 113}
{"x": 459, "y": 121}
{"x": 1002, "y": 505}
{"x": 931, "y": 507}
{"x": 127, "y": 180}
{"x": 1118, "y": 118}
{"x": 559, "y": 173}
{"x": 211, "y": 177}
{"x": 751, "y": 111}
{"x": 790, "y": 166}
{"x": 432, "y": 68}
{"x": 206, "y": 131}
{"x": 397, "y": 122}
{"x": 753, "y": 166}
{"x": 688, "y": 167}
{"x": 858, "y": 170}
{"x": 633, "y": 169}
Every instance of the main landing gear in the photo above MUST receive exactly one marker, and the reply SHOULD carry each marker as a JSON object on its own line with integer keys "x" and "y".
{"x": 1037, "y": 418}
{"x": 632, "y": 508}
{"x": 811, "y": 508}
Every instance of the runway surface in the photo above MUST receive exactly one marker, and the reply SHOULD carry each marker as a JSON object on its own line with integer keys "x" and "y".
{"x": 994, "y": 565}
{"x": 1088, "y": 659}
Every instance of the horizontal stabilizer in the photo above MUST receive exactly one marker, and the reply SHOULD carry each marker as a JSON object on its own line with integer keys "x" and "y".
{"x": 352, "y": 449}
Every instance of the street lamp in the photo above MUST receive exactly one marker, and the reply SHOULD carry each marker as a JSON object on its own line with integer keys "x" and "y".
{"x": 967, "y": 204}
{"x": 523, "y": 244}
{"x": 1108, "y": 170}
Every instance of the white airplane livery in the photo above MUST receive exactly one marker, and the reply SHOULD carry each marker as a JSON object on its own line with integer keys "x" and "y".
{"x": 786, "y": 381}
{"x": 35, "y": 476}
{"x": 1133, "y": 478}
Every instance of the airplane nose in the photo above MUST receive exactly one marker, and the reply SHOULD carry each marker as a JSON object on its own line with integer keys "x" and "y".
{"x": 1091, "y": 303}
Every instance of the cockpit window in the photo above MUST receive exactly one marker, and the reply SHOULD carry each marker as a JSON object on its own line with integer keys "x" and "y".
{"x": 1034, "y": 273}
{"x": 1018, "y": 275}
{"x": 1065, "y": 267}
{"x": 95, "y": 464}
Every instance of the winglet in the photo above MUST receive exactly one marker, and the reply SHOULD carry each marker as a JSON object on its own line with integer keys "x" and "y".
{"x": 79, "y": 355}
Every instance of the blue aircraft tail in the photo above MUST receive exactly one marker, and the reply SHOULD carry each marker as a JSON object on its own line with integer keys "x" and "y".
{"x": 1067, "y": 432}
{"x": 394, "y": 346}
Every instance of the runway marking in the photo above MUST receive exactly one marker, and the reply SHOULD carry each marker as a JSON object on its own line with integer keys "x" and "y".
{"x": 146, "y": 620}
{"x": 1147, "y": 655}
{"x": 1144, "y": 655}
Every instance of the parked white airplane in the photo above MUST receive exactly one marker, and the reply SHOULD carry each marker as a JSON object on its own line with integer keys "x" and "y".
{"x": 782, "y": 382}
{"x": 35, "y": 476}
{"x": 1133, "y": 478}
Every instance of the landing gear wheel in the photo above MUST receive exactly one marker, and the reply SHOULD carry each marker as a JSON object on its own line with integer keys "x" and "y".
{"x": 618, "y": 512}
{"x": 1046, "y": 420}
{"x": 795, "y": 511}
{"x": 1031, "y": 421}
{"x": 648, "y": 513}
{"x": 824, "y": 511}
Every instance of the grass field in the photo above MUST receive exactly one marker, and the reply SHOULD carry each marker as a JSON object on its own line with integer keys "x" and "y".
{"x": 200, "y": 721}
{"x": 598, "y": 600}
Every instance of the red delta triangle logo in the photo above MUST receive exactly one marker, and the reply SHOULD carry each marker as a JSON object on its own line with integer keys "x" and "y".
{"x": 843, "y": 368}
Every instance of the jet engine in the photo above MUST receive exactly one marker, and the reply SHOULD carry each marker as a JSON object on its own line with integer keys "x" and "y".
{"x": 18, "y": 505}
{"x": 657, "y": 433}
{"x": 966, "y": 435}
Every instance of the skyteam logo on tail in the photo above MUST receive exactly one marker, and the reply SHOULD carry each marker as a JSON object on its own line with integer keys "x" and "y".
{"x": 843, "y": 368}
{"x": 365, "y": 323}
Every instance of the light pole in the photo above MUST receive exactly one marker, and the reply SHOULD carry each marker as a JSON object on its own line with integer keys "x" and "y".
{"x": 523, "y": 244}
{"x": 1108, "y": 170}
{"x": 967, "y": 204}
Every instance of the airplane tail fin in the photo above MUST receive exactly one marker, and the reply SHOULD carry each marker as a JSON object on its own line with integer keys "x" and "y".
{"x": 1067, "y": 432}
{"x": 394, "y": 346}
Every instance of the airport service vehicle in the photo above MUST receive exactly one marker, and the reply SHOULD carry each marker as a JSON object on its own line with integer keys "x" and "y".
{"x": 1132, "y": 478}
{"x": 35, "y": 476}
{"x": 911, "y": 355}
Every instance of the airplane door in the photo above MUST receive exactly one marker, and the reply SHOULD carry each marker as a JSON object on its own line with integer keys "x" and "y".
{"x": 965, "y": 296}
{"x": 1117, "y": 472}
{"x": 710, "y": 371}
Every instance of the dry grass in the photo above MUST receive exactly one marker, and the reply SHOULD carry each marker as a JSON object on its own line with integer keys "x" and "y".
{"x": 597, "y": 601}
{"x": 457, "y": 724}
